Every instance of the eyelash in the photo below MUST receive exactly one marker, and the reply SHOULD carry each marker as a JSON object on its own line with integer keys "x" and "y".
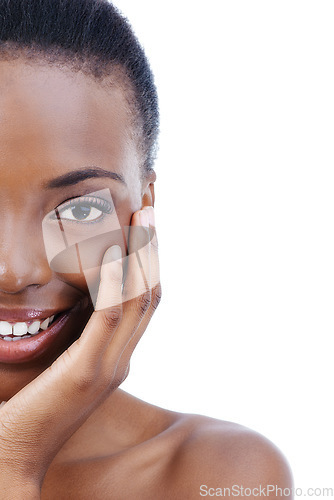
{"x": 98, "y": 203}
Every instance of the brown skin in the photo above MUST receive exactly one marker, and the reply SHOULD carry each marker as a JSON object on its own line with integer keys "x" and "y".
{"x": 68, "y": 431}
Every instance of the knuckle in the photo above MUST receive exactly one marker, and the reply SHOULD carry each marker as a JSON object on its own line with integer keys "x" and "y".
{"x": 127, "y": 371}
{"x": 112, "y": 317}
{"x": 91, "y": 383}
{"x": 105, "y": 380}
{"x": 121, "y": 376}
{"x": 144, "y": 301}
{"x": 156, "y": 295}
{"x": 83, "y": 382}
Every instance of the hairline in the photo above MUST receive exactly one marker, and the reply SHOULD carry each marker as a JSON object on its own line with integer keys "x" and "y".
{"x": 113, "y": 74}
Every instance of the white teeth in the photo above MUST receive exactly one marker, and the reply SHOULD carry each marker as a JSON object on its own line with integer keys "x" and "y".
{"x": 20, "y": 329}
{"x": 5, "y": 328}
{"x": 14, "y": 339}
{"x": 34, "y": 327}
{"x": 45, "y": 323}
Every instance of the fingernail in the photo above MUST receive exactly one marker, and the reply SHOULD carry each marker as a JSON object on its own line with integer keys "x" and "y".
{"x": 144, "y": 218}
{"x": 113, "y": 253}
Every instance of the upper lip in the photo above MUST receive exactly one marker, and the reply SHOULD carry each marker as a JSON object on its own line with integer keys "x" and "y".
{"x": 16, "y": 315}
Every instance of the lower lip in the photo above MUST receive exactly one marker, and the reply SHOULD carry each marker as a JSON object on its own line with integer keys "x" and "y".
{"x": 29, "y": 348}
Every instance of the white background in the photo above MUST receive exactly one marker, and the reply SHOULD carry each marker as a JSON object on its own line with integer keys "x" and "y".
{"x": 244, "y": 211}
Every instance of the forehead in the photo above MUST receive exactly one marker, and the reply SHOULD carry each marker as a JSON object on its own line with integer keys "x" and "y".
{"x": 55, "y": 118}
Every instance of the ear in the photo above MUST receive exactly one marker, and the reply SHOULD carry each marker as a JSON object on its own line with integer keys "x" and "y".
{"x": 148, "y": 196}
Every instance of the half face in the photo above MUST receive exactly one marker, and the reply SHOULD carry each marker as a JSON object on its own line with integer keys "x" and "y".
{"x": 66, "y": 149}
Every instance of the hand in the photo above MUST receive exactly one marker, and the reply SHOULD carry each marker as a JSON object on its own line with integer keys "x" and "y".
{"x": 40, "y": 418}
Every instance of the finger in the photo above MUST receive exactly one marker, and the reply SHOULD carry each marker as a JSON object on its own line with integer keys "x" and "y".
{"x": 85, "y": 354}
{"x": 124, "y": 360}
{"x": 110, "y": 289}
{"x": 137, "y": 280}
{"x": 137, "y": 288}
{"x": 155, "y": 287}
{"x": 156, "y": 292}
{"x": 154, "y": 300}
{"x": 154, "y": 248}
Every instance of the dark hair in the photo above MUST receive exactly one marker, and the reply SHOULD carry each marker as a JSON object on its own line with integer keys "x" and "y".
{"x": 88, "y": 35}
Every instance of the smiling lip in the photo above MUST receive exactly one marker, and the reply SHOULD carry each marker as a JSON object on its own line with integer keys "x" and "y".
{"x": 27, "y": 315}
{"x": 30, "y": 348}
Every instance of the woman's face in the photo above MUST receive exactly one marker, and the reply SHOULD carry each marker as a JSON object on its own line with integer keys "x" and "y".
{"x": 54, "y": 122}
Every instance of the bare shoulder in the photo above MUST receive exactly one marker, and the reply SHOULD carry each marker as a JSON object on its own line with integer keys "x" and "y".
{"x": 216, "y": 454}
{"x": 145, "y": 452}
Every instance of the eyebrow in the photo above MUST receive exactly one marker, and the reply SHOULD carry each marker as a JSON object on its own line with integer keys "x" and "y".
{"x": 76, "y": 176}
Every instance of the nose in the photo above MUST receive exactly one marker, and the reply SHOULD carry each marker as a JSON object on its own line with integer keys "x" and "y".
{"x": 23, "y": 261}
